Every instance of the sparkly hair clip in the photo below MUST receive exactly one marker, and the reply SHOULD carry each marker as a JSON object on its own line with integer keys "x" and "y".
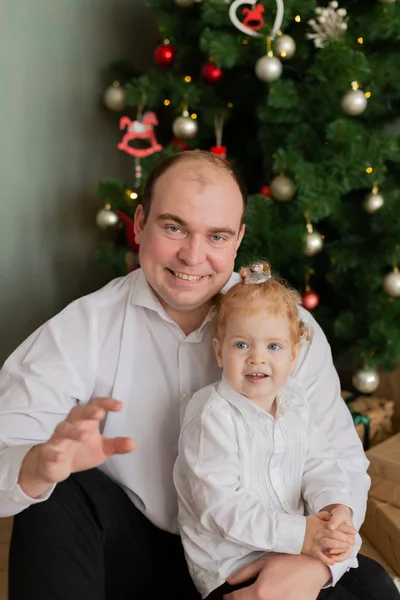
{"x": 256, "y": 273}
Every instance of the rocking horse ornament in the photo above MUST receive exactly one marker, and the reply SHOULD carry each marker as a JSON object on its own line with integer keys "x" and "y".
{"x": 253, "y": 20}
{"x": 139, "y": 130}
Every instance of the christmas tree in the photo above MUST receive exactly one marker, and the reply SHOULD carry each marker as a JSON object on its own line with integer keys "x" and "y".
{"x": 302, "y": 99}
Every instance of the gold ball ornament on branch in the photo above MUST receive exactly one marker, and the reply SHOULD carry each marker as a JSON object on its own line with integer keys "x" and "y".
{"x": 115, "y": 97}
{"x": 391, "y": 283}
{"x": 284, "y": 46}
{"x": 106, "y": 217}
{"x": 366, "y": 380}
{"x": 282, "y": 188}
{"x": 314, "y": 241}
{"x": 184, "y": 127}
{"x": 373, "y": 201}
{"x": 354, "y": 101}
{"x": 268, "y": 68}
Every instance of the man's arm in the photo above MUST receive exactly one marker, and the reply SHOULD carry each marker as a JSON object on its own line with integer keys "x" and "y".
{"x": 40, "y": 383}
{"x": 318, "y": 376}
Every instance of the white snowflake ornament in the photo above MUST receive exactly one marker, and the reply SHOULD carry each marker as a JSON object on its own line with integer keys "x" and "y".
{"x": 330, "y": 23}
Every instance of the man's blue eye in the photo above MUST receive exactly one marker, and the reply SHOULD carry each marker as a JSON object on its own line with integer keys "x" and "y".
{"x": 173, "y": 228}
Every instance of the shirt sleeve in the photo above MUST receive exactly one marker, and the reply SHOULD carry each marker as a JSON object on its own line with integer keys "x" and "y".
{"x": 39, "y": 384}
{"x": 317, "y": 374}
{"x": 208, "y": 480}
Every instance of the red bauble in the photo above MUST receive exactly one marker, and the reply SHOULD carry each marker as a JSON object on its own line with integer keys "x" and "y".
{"x": 310, "y": 300}
{"x": 218, "y": 151}
{"x": 180, "y": 143}
{"x": 265, "y": 190}
{"x": 211, "y": 73}
{"x": 164, "y": 55}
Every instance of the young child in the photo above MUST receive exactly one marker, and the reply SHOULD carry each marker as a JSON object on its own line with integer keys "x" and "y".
{"x": 251, "y": 463}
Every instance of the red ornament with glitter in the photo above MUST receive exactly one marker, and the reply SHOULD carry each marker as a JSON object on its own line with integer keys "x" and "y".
{"x": 164, "y": 55}
{"x": 310, "y": 300}
{"x": 211, "y": 73}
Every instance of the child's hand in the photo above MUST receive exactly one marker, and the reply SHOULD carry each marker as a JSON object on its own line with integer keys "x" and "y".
{"x": 341, "y": 520}
{"x": 324, "y": 542}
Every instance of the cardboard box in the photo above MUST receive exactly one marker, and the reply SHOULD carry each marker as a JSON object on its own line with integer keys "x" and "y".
{"x": 382, "y": 528}
{"x": 377, "y": 411}
{"x": 384, "y": 471}
{"x": 369, "y": 550}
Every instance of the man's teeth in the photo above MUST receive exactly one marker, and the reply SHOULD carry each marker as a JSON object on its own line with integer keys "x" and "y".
{"x": 186, "y": 276}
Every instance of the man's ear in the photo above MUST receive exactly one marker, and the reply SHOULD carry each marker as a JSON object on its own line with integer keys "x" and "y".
{"x": 139, "y": 222}
{"x": 217, "y": 349}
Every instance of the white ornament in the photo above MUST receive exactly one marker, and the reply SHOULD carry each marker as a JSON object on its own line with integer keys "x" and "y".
{"x": 314, "y": 243}
{"x": 106, "y": 218}
{"x": 184, "y": 127}
{"x": 373, "y": 201}
{"x": 354, "y": 102}
{"x": 115, "y": 97}
{"x": 282, "y": 188}
{"x": 391, "y": 283}
{"x": 366, "y": 380}
{"x": 239, "y": 25}
{"x": 268, "y": 68}
{"x": 330, "y": 23}
{"x": 284, "y": 46}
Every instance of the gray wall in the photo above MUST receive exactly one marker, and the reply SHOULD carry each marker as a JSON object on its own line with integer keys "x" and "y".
{"x": 57, "y": 141}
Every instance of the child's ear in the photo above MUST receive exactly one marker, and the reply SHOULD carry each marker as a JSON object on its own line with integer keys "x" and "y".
{"x": 217, "y": 349}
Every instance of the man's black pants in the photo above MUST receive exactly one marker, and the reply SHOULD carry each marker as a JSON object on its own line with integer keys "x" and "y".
{"x": 88, "y": 542}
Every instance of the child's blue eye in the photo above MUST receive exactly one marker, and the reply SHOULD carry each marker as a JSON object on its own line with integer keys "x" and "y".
{"x": 241, "y": 345}
{"x": 273, "y": 346}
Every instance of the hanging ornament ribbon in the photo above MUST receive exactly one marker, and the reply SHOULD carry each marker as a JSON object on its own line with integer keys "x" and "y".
{"x": 248, "y": 30}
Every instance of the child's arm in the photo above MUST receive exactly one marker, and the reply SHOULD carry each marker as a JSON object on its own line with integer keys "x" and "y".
{"x": 208, "y": 480}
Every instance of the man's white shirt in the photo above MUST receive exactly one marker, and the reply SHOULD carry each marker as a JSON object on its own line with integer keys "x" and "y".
{"x": 243, "y": 478}
{"x": 120, "y": 342}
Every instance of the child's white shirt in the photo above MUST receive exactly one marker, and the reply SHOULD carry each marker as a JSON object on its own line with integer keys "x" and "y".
{"x": 246, "y": 479}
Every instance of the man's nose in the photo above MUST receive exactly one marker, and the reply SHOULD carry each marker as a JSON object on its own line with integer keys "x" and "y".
{"x": 193, "y": 250}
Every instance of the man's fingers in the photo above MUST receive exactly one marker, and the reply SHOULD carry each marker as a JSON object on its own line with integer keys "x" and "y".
{"x": 77, "y": 432}
{"x": 118, "y": 445}
{"x": 95, "y": 409}
{"x": 248, "y": 572}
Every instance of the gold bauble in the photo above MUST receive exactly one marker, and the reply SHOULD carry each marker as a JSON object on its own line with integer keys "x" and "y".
{"x": 282, "y": 188}
{"x": 391, "y": 284}
{"x": 184, "y": 128}
{"x": 354, "y": 102}
{"x": 373, "y": 202}
{"x": 268, "y": 68}
{"x": 284, "y": 47}
{"x": 106, "y": 218}
{"x": 314, "y": 243}
{"x": 366, "y": 380}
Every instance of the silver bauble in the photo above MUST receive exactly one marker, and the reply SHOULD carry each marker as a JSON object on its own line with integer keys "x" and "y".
{"x": 366, "y": 380}
{"x": 354, "y": 102}
{"x": 268, "y": 68}
{"x": 391, "y": 283}
{"x": 282, "y": 188}
{"x": 184, "y": 128}
{"x": 284, "y": 46}
{"x": 106, "y": 218}
{"x": 115, "y": 98}
{"x": 184, "y": 3}
{"x": 314, "y": 243}
{"x": 373, "y": 202}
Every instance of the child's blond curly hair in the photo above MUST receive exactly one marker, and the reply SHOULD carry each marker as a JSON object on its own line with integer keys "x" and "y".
{"x": 258, "y": 284}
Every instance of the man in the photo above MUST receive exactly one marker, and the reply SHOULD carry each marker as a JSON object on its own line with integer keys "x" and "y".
{"x": 121, "y": 364}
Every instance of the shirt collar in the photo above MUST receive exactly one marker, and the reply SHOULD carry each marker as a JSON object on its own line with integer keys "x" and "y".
{"x": 143, "y": 295}
{"x": 290, "y": 395}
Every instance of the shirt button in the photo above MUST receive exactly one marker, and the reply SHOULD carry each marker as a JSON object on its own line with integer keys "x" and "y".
{"x": 184, "y": 396}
